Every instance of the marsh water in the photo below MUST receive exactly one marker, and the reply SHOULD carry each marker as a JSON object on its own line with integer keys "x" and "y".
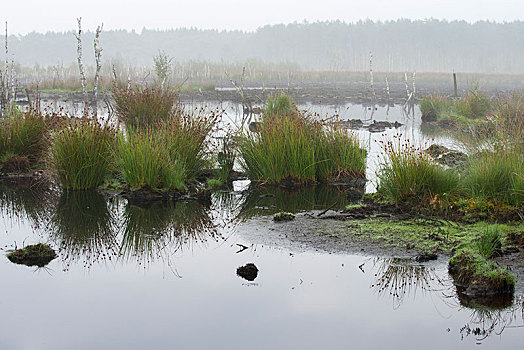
{"x": 164, "y": 275}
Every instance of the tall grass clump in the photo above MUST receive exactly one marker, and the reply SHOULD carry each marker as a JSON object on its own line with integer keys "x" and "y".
{"x": 279, "y": 104}
{"x": 293, "y": 147}
{"x": 81, "y": 154}
{"x": 474, "y": 105}
{"x": 408, "y": 174}
{"x": 184, "y": 137}
{"x": 140, "y": 107}
{"x": 433, "y": 106}
{"x": 23, "y": 134}
{"x": 489, "y": 244}
{"x": 143, "y": 161}
{"x": 498, "y": 176}
{"x": 339, "y": 155}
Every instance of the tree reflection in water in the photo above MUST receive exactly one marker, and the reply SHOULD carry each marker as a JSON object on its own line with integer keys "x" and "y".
{"x": 83, "y": 227}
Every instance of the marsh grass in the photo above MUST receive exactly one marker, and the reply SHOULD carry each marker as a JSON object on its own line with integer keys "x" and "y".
{"x": 489, "y": 243}
{"x": 81, "y": 154}
{"x": 143, "y": 161}
{"x": 297, "y": 149}
{"x": 140, "y": 107}
{"x": 474, "y": 105}
{"x": 24, "y": 134}
{"x": 433, "y": 106}
{"x": 185, "y": 138}
{"x": 497, "y": 175}
{"x": 280, "y": 104}
{"x": 409, "y": 174}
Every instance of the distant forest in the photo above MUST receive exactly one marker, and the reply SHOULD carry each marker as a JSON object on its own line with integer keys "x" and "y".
{"x": 397, "y": 46}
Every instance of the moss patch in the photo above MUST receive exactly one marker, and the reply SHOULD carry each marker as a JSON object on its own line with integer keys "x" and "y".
{"x": 418, "y": 234}
{"x": 33, "y": 255}
{"x": 478, "y": 275}
{"x": 283, "y": 216}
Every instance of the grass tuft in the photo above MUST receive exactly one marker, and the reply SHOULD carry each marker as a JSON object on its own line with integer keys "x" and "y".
{"x": 140, "y": 107}
{"x": 409, "y": 174}
{"x": 81, "y": 154}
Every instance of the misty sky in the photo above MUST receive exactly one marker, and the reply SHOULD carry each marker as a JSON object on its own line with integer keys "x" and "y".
{"x": 59, "y": 15}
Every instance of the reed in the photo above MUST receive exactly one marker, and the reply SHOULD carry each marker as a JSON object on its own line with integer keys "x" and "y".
{"x": 141, "y": 107}
{"x": 409, "y": 174}
{"x": 24, "y": 134}
{"x": 81, "y": 154}
{"x": 297, "y": 149}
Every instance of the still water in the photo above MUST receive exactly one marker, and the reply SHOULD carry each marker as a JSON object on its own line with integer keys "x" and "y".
{"x": 164, "y": 276}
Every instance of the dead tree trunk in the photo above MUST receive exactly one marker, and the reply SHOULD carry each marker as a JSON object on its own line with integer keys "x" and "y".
{"x": 98, "y": 55}
{"x": 81, "y": 66}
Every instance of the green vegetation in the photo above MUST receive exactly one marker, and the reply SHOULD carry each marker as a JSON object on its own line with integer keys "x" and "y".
{"x": 184, "y": 138}
{"x": 472, "y": 108}
{"x": 472, "y": 268}
{"x": 409, "y": 174}
{"x": 81, "y": 154}
{"x": 143, "y": 161}
{"x": 489, "y": 244}
{"x": 497, "y": 176}
{"x": 292, "y": 148}
{"x": 165, "y": 156}
{"x": 33, "y": 255}
{"x": 139, "y": 107}
{"x": 433, "y": 106}
{"x": 279, "y": 104}
{"x": 23, "y": 134}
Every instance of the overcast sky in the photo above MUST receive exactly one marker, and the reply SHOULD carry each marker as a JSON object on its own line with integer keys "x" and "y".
{"x": 25, "y": 16}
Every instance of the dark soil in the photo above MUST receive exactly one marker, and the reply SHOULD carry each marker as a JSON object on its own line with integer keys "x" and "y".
{"x": 33, "y": 255}
{"x": 446, "y": 156}
{"x": 248, "y": 272}
{"x": 15, "y": 165}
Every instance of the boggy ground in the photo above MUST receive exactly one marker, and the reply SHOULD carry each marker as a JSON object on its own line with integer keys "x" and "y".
{"x": 381, "y": 234}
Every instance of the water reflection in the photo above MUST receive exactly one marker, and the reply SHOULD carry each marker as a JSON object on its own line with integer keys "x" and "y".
{"x": 84, "y": 228}
{"x": 268, "y": 200}
{"x": 163, "y": 228}
{"x": 491, "y": 315}
{"x": 398, "y": 278}
{"x": 27, "y": 200}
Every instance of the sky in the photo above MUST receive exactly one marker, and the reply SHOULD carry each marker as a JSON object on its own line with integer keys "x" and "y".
{"x": 60, "y": 15}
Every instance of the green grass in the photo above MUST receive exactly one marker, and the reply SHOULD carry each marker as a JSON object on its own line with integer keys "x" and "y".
{"x": 489, "y": 243}
{"x": 472, "y": 265}
{"x": 140, "y": 107}
{"x": 81, "y": 154}
{"x": 143, "y": 161}
{"x": 23, "y": 134}
{"x": 409, "y": 174}
{"x": 185, "y": 139}
{"x": 433, "y": 106}
{"x": 474, "y": 105}
{"x": 497, "y": 176}
{"x": 293, "y": 147}
{"x": 279, "y": 104}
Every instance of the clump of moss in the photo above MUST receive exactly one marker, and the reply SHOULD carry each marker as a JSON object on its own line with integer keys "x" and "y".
{"x": 472, "y": 268}
{"x": 283, "y": 216}
{"x": 33, "y": 255}
{"x": 478, "y": 275}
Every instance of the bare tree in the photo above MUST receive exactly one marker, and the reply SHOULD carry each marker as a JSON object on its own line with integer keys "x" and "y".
{"x": 98, "y": 55}
{"x": 81, "y": 66}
